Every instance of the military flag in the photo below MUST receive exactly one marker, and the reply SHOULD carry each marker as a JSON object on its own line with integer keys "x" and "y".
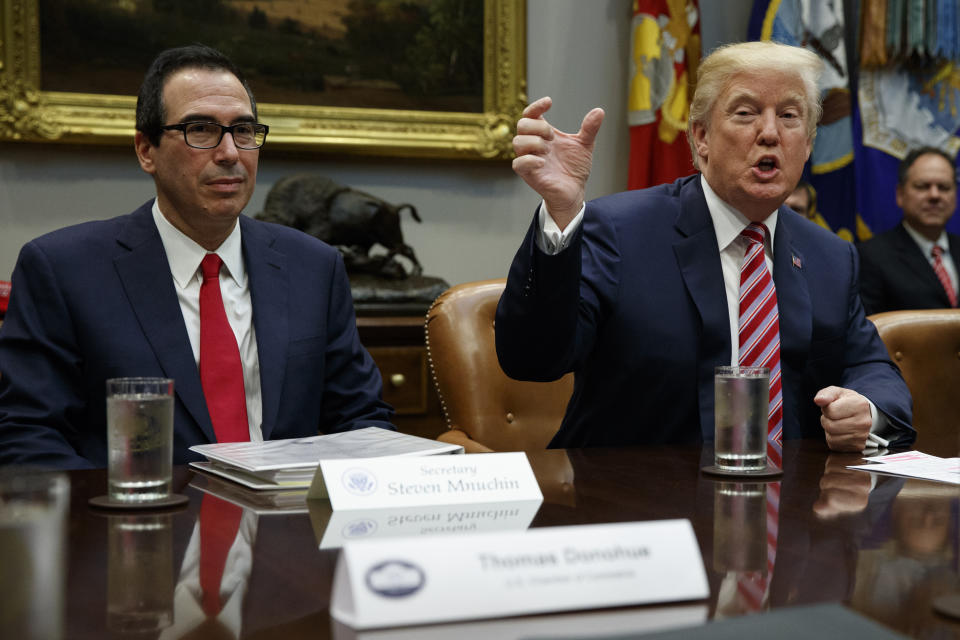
{"x": 665, "y": 51}
{"x": 904, "y": 93}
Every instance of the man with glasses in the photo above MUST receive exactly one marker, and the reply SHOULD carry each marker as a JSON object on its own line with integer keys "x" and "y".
{"x": 272, "y": 352}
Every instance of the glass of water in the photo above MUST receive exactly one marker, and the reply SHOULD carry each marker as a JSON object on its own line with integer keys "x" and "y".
{"x": 33, "y": 514}
{"x": 139, "y": 439}
{"x": 742, "y": 400}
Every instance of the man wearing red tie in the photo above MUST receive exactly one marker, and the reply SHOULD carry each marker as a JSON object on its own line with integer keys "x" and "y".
{"x": 914, "y": 265}
{"x": 253, "y": 321}
{"x": 643, "y": 293}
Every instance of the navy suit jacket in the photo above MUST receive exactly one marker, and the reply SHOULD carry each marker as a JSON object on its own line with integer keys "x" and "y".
{"x": 636, "y": 308}
{"x": 894, "y": 273}
{"x": 97, "y": 301}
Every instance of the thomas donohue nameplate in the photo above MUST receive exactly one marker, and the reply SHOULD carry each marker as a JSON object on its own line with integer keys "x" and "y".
{"x": 425, "y": 580}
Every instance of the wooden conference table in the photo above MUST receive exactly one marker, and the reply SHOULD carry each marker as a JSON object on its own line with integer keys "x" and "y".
{"x": 885, "y": 547}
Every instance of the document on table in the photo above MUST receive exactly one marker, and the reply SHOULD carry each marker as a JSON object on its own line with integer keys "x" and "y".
{"x": 291, "y": 463}
{"x": 915, "y": 464}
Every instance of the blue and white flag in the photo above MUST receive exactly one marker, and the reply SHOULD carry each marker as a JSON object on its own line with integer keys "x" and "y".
{"x": 818, "y": 25}
{"x": 863, "y": 136}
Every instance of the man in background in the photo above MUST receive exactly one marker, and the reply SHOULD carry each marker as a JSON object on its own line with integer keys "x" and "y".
{"x": 914, "y": 265}
{"x": 803, "y": 200}
{"x": 639, "y": 293}
{"x": 253, "y": 321}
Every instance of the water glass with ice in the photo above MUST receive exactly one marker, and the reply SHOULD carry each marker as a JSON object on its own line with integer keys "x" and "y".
{"x": 742, "y": 398}
{"x": 139, "y": 439}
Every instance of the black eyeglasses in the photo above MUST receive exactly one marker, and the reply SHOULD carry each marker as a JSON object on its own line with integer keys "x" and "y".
{"x": 207, "y": 135}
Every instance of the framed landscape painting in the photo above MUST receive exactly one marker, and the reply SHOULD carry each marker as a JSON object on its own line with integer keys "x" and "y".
{"x": 423, "y": 78}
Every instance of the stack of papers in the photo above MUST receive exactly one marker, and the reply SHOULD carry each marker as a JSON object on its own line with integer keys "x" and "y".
{"x": 915, "y": 464}
{"x": 292, "y": 463}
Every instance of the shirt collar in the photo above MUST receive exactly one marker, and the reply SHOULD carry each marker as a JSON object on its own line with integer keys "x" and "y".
{"x": 924, "y": 243}
{"x": 728, "y": 223}
{"x": 185, "y": 255}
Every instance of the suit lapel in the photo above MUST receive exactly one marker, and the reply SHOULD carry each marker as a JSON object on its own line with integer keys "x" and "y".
{"x": 954, "y": 242}
{"x": 698, "y": 259}
{"x": 913, "y": 259}
{"x": 796, "y": 326}
{"x": 269, "y": 290}
{"x": 145, "y": 274}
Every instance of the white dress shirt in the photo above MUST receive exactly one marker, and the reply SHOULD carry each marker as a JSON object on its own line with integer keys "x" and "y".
{"x": 184, "y": 256}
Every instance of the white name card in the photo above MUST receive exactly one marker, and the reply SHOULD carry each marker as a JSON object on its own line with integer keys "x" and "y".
{"x": 378, "y": 483}
{"x": 409, "y": 581}
{"x": 334, "y": 528}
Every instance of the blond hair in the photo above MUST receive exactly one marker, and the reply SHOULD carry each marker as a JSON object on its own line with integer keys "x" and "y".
{"x": 718, "y": 68}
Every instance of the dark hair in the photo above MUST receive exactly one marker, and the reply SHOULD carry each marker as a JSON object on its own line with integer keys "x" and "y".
{"x": 911, "y": 157}
{"x": 150, "y": 110}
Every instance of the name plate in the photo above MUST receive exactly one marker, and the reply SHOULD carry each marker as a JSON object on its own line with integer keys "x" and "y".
{"x": 378, "y": 483}
{"x": 411, "y": 581}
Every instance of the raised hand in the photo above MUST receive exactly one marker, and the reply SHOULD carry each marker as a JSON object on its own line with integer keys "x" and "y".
{"x": 555, "y": 164}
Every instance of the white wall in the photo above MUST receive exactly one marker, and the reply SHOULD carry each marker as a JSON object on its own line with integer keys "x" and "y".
{"x": 474, "y": 213}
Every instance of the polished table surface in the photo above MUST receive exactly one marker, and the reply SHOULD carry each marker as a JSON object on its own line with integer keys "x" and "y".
{"x": 883, "y": 546}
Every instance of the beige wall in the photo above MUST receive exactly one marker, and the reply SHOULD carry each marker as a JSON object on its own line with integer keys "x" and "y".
{"x": 474, "y": 213}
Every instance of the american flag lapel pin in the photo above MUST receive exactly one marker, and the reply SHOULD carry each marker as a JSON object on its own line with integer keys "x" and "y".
{"x": 797, "y": 263}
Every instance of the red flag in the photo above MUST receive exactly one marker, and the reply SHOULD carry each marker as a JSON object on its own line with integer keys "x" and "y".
{"x": 665, "y": 52}
{"x": 4, "y": 296}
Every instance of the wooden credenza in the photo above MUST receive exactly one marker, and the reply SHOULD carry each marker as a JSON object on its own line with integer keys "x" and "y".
{"x": 398, "y": 346}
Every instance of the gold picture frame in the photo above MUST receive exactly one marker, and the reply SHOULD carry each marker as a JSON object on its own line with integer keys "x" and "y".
{"x": 28, "y": 113}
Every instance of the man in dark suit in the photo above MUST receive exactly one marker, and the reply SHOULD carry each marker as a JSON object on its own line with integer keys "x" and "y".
{"x": 123, "y": 297}
{"x": 914, "y": 265}
{"x": 638, "y": 292}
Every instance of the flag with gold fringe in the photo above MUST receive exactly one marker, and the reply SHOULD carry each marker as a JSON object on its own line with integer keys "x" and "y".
{"x": 820, "y": 27}
{"x": 903, "y": 93}
{"x": 664, "y": 53}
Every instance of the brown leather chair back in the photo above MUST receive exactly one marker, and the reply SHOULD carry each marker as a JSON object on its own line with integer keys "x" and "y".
{"x": 484, "y": 409}
{"x": 925, "y": 344}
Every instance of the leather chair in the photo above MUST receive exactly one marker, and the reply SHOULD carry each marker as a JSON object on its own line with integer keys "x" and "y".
{"x": 484, "y": 409}
{"x": 925, "y": 344}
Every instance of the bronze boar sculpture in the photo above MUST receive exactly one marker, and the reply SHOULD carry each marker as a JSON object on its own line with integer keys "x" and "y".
{"x": 355, "y": 223}
{"x": 350, "y": 220}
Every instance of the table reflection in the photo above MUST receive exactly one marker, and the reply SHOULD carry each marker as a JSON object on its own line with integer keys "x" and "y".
{"x": 842, "y": 491}
{"x": 918, "y": 561}
{"x": 745, "y": 524}
{"x": 139, "y": 572}
{"x": 214, "y": 576}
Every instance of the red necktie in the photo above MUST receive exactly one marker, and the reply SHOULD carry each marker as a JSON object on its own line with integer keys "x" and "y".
{"x": 760, "y": 330}
{"x": 943, "y": 276}
{"x": 221, "y": 372}
{"x": 219, "y": 523}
